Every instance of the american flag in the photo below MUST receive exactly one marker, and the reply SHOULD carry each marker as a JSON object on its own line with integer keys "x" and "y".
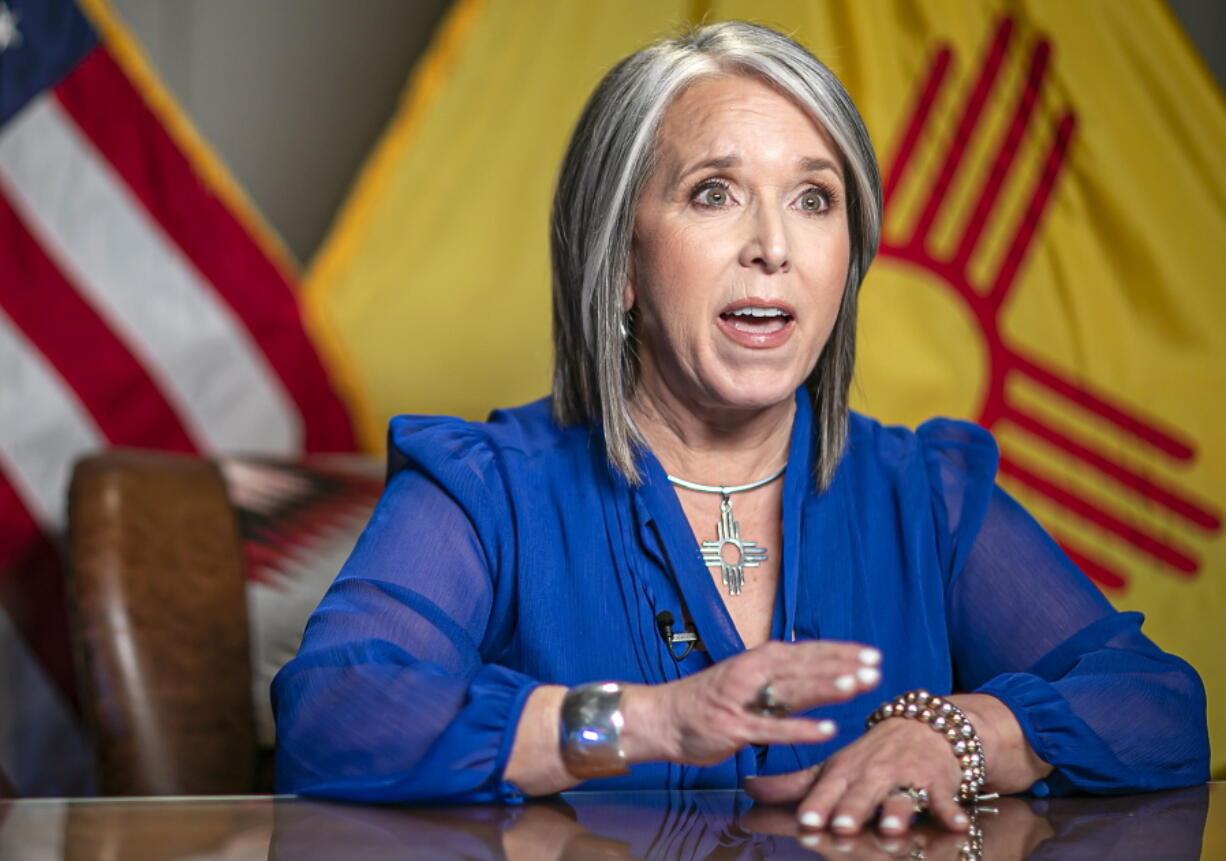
{"x": 141, "y": 304}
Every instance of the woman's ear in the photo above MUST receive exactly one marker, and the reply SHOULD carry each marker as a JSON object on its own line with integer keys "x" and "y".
{"x": 628, "y": 289}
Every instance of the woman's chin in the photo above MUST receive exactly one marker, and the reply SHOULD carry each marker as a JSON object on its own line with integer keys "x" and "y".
{"x": 752, "y": 379}
{"x": 723, "y": 388}
{"x": 753, "y": 395}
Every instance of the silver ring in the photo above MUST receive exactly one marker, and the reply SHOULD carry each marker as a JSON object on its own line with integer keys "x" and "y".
{"x": 918, "y": 796}
{"x": 766, "y": 705}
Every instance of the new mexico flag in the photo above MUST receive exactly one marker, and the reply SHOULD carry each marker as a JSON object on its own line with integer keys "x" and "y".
{"x": 1056, "y": 199}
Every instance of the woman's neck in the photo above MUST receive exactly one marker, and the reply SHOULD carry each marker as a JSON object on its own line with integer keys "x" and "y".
{"x": 717, "y": 446}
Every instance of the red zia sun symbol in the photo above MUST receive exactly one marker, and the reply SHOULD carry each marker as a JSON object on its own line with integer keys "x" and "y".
{"x": 984, "y": 297}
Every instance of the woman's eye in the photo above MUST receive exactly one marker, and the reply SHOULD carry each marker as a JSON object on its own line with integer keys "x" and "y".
{"x": 712, "y": 195}
{"x": 813, "y": 200}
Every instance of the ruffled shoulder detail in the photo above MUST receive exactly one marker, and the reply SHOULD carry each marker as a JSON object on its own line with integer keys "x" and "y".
{"x": 450, "y": 463}
{"x": 961, "y": 459}
{"x": 426, "y": 440}
{"x": 437, "y": 444}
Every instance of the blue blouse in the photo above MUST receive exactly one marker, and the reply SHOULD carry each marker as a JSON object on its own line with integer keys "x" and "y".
{"x": 508, "y": 554}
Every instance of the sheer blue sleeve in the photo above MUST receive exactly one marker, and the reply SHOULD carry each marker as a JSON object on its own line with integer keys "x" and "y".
{"x": 390, "y": 697}
{"x": 1095, "y": 697}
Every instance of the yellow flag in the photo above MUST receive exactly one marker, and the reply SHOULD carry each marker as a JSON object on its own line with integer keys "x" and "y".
{"x": 1056, "y": 196}
{"x": 432, "y": 290}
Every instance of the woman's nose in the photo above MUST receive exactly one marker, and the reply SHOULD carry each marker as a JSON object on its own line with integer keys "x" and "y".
{"x": 766, "y": 244}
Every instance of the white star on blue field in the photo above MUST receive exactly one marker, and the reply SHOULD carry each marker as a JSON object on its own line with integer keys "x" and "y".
{"x": 10, "y": 36}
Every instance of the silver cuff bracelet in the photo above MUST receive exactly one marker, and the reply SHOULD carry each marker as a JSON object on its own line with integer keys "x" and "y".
{"x": 590, "y": 731}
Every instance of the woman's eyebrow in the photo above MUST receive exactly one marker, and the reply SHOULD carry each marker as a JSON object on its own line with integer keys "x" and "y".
{"x": 722, "y": 162}
{"x": 808, "y": 164}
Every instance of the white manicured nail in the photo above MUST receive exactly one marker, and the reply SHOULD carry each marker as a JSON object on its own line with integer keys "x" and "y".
{"x": 845, "y": 683}
{"x": 870, "y": 657}
{"x": 960, "y": 818}
{"x": 890, "y": 847}
{"x": 811, "y": 840}
{"x": 844, "y": 821}
{"x": 811, "y": 819}
{"x": 826, "y": 727}
{"x": 891, "y": 823}
{"x": 868, "y": 675}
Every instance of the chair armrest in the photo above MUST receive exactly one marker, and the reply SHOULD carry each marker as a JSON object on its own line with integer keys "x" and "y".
{"x": 159, "y": 620}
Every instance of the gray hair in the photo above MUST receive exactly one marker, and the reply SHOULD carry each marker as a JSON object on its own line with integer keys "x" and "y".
{"x": 610, "y": 156}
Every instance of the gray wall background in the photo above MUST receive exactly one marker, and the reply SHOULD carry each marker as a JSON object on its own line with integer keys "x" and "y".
{"x": 292, "y": 94}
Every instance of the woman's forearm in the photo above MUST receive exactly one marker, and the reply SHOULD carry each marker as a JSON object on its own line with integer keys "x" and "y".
{"x": 703, "y": 719}
{"x": 535, "y": 764}
{"x": 1013, "y": 766}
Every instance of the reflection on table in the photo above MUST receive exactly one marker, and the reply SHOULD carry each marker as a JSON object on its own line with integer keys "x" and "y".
{"x": 682, "y": 825}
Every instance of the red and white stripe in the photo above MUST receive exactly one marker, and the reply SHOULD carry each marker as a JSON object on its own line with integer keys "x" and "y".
{"x": 135, "y": 309}
{"x": 141, "y": 285}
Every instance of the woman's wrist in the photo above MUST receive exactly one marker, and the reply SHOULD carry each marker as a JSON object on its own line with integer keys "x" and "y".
{"x": 535, "y": 765}
{"x": 590, "y": 730}
{"x": 603, "y": 728}
{"x": 647, "y": 733}
{"x": 1015, "y": 765}
{"x": 943, "y": 716}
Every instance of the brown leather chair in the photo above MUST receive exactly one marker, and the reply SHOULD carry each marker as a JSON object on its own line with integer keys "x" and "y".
{"x": 159, "y": 618}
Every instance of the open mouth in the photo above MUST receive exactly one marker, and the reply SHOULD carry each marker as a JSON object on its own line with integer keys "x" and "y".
{"x": 757, "y": 319}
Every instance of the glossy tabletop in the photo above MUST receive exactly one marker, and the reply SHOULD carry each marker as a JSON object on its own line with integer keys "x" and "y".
{"x": 1188, "y": 823}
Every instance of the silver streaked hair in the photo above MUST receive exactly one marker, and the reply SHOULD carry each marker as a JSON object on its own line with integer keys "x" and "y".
{"x": 610, "y": 156}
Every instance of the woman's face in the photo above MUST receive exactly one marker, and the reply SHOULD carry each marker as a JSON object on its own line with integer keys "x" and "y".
{"x": 740, "y": 248}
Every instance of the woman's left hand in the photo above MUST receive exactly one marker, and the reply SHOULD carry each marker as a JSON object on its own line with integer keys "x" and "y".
{"x": 847, "y": 789}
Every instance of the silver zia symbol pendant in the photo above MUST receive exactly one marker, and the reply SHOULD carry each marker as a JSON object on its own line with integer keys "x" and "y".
{"x": 729, "y": 552}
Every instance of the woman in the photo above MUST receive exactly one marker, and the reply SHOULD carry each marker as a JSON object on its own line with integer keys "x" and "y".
{"x": 716, "y": 212}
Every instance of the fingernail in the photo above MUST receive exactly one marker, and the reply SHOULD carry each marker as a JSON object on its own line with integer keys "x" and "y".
{"x": 811, "y": 819}
{"x": 891, "y": 823}
{"x": 826, "y": 727}
{"x": 811, "y": 840}
{"x": 890, "y": 847}
{"x": 960, "y": 818}
{"x": 845, "y": 683}
{"x": 868, "y": 675}
{"x": 845, "y": 845}
{"x": 844, "y": 822}
{"x": 870, "y": 657}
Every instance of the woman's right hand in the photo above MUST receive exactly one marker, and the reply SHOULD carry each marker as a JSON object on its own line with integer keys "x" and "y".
{"x": 705, "y": 718}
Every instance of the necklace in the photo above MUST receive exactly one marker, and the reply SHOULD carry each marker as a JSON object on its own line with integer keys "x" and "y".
{"x": 747, "y": 554}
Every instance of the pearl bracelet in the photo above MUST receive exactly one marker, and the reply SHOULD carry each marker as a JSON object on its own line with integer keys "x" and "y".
{"x": 949, "y": 720}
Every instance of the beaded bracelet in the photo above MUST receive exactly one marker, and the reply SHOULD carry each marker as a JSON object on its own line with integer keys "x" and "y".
{"x": 949, "y": 720}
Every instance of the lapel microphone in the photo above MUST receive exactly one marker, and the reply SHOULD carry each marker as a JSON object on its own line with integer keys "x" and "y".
{"x": 688, "y": 637}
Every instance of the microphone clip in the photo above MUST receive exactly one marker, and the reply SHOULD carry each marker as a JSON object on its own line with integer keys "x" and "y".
{"x": 687, "y": 637}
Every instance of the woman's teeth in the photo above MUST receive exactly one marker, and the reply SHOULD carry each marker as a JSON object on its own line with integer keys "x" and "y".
{"x": 757, "y": 312}
{"x": 757, "y": 321}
